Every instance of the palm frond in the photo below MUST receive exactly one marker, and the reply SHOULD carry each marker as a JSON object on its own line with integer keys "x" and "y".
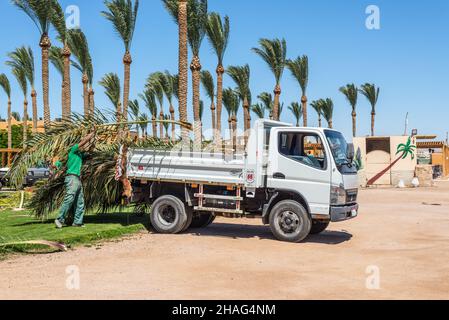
{"x": 56, "y": 59}
{"x": 259, "y": 110}
{"x": 196, "y": 27}
{"x": 155, "y": 84}
{"x": 23, "y": 58}
{"x": 218, "y": 31}
{"x": 134, "y": 109}
{"x": 208, "y": 83}
{"x": 231, "y": 101}
{"x": 38, "y": 11}
{"x": 371, "y": 93}
{"x": 241, "y": 76}
{"x": 267, "y": 100}
{"x": 274, "y": 53}
{"x": 111, "y": 83}
{"x": 79, "y": 46}
{"x": 5, "y": 84}
{"x": 123, "y": 16}
{"x": 299, "y": 68}
{"x": 57, "y": 19}
{"x": 149, "y": 98}
{"x": 296, "y": 109}
{"x": 351, "y": 93}
{"x": 327, "y": 109}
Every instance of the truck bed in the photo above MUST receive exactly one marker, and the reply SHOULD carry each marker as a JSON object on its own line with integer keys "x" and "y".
{"x": 192, "y": 167}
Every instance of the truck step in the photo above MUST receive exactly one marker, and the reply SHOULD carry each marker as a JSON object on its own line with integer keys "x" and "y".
{"x": 218, "y": 210}
{"x": 217, "y": 197}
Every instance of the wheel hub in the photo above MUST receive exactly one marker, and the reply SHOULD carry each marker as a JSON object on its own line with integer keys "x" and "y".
{"x": 289, "y": 222}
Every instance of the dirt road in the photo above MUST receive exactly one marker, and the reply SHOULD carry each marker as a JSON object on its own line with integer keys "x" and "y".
{"x": 400, "y": 243}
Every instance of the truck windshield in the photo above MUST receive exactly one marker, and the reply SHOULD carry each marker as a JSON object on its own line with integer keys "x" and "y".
{"x": 339, "y": 147}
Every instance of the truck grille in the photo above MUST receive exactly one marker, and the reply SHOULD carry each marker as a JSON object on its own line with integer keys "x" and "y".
{"x": 351, "y": 196}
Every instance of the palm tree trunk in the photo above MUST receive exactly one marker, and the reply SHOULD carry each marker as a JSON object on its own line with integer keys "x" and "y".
{"x": 183, "y": 71}
{"x": 373, "y": 119}
{"x": 45, "y": 44}
{"x": 91, "y": 100}
{"x": 380, "y": 174}
{"x": 25, "y": 122}
{"x": 234, "y": 134}
{"x": 320, "y": 121}
{"x": 85, "y": 81}
{"x": 154, "y": 125}
{"x": 220, "y": 72}
{"x": 247, "y": 119}
{"x": 213, "y": 114}
{"x": 127, "y": 61}
{"x": 195, "y": 67}
{"x": 331, "y": 124}
{"x": 304, "y": 110}
{"x": 9, "y": 125}
{"x": 67, "y": 106}
{"x": 173, "y": 127}
{"x": 230, "y": 134}
{"x": 277, "y": 95}
{"x": 354, "y": 124}
{"x": 161, "y": 125}
{"x": 34, "y": 103}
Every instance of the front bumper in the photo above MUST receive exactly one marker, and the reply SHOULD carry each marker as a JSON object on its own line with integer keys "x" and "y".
{"x": 344, "y": 213}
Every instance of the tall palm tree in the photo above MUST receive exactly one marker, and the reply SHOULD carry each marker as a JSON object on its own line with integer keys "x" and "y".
{"x": 296, "y": 110}
{"x": 111, "y": 83}
{"x": 6, "y": 86}
{"x": 155, "y": 84}
{"x": 23, "y": 58}
{"x": 123, "y": 15}
{"x": 231, "y": 101}
{"x": 274, "y": 53}
{"x": 169, "y": 91}
{"x": 267, "y": 102}
{"x": 241, "y": 76}
{"x": 143, "y": 118}
{"x": 218, "y": 31}
{"x": 328, "y": 111}
{"x": 351, "y": 94}
{"x": 178, "y": 9}
{"x": 134, "y": 112}
{"x": 78, "y": 44}
{"x": 57, "y": 61}
{"x": 259, "y": 110}
{"x": 58, "y": 21}
{"x": 318, "y": 107}
{"x": 41, "y": 13}
{"x": 300, "y": 71}
{"x": 372, "y": 94}
{"x": 149, "y": 98}
{"x": 209, "y": 87}
{"x": 20, "y": 75}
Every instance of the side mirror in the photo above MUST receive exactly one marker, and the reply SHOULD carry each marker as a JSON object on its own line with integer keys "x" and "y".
{"x": 350, "y": 152}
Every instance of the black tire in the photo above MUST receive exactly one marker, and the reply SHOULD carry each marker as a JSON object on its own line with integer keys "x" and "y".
{"x": 168, "y": 215}
{"x": 289, "y": 221}
{"x": 318, "y": 226}
{"x": 189, "y": 212}
{"x": 202, "y": 220}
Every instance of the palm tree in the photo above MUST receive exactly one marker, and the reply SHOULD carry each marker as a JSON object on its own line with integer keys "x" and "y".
{"x": 209, "y": 87}
{"x": 372, "y": 94}
{"x": 134, "y": 112}
{"x": 231, "y": 102}
{"x": 57, "y": 61}
{"x": 241, "y": 76}
{"x": 179, "y": 12}
{"x": 143, "y": 118}
{"x": 40, "y": 13}
{"x": 23, "y": 58}
{"x": 168, "y": 84}
{"x": 296, "y": 110}
{"x": 318, "y": 107}
{"x": 404, "y": 150}
{"x": 351, "y": 93}
{"x": 20, "y": 75}
{"x": 218, "y": 31}
{"x": 175, "y": 92}
{"x": 6, "y": 86}
{"x": 259, "y": 110}
{"x": 155, "y": 84}
{"x": 166, "y": 124}
{"x": 328, "y": 111}
{"x": 16, "y": 116}
{"x": 274, "y": 53}
{"x": 267, "y": 102}
{"x": 78, "y": 43}
{"x": 58, "y": 21}
{"x": 300, "y": 71}
{"x": 149, "y": 98}
{"x": 111, "y": 83}
{"x": 123, "y": 15}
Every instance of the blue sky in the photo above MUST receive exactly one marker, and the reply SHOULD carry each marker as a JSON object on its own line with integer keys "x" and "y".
{"x": 408, "y": 57}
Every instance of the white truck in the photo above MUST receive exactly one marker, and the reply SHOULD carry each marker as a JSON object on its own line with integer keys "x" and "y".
{"x": 297, "y": 180}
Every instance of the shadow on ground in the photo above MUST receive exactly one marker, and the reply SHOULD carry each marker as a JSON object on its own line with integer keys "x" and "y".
{"x": 236, "y": 231}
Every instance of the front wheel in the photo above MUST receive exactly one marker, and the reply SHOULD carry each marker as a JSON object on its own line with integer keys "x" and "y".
{"x": 289, "y": 221}
{"x": 168, "y": 215}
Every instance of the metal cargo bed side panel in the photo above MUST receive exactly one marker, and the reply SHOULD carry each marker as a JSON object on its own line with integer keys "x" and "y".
{"x": 145, "y": 164}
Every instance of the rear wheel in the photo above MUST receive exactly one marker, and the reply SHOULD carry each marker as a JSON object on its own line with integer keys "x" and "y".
{"x": 318, "y": 226}
{"x": 168, "y": 215}
{"x": 202, "y": 220}
{"x": 289, "y": 221}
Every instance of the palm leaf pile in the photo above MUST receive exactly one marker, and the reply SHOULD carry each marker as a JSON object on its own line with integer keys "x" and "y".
{"x": 101, "y": 191}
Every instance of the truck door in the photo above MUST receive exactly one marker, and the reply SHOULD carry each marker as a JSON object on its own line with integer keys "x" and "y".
{"x": 299, "y": 161}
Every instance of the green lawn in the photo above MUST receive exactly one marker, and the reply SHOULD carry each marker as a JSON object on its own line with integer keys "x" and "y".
{"x": 20, "y": 226}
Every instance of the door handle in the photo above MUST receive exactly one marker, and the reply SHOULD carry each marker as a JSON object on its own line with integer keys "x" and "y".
{"x": 278, "y": 175}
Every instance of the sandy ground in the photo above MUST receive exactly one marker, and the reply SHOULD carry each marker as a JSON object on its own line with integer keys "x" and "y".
{"x": 400, "y": 242}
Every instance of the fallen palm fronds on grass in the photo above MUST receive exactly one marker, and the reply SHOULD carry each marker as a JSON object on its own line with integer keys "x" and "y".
{"x": 55, "y": 245}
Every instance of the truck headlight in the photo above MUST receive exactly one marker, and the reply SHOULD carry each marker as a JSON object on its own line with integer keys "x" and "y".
{"x": 338, "y": 195}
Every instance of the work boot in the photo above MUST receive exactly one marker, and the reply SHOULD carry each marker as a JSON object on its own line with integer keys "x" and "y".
{"x": 59, "y": 224}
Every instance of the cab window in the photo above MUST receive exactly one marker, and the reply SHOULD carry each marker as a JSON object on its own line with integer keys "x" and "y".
{"x": 306, "y": 148}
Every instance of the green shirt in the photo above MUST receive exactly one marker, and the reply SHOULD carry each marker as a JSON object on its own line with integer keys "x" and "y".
{"x": 75, "y": 161}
